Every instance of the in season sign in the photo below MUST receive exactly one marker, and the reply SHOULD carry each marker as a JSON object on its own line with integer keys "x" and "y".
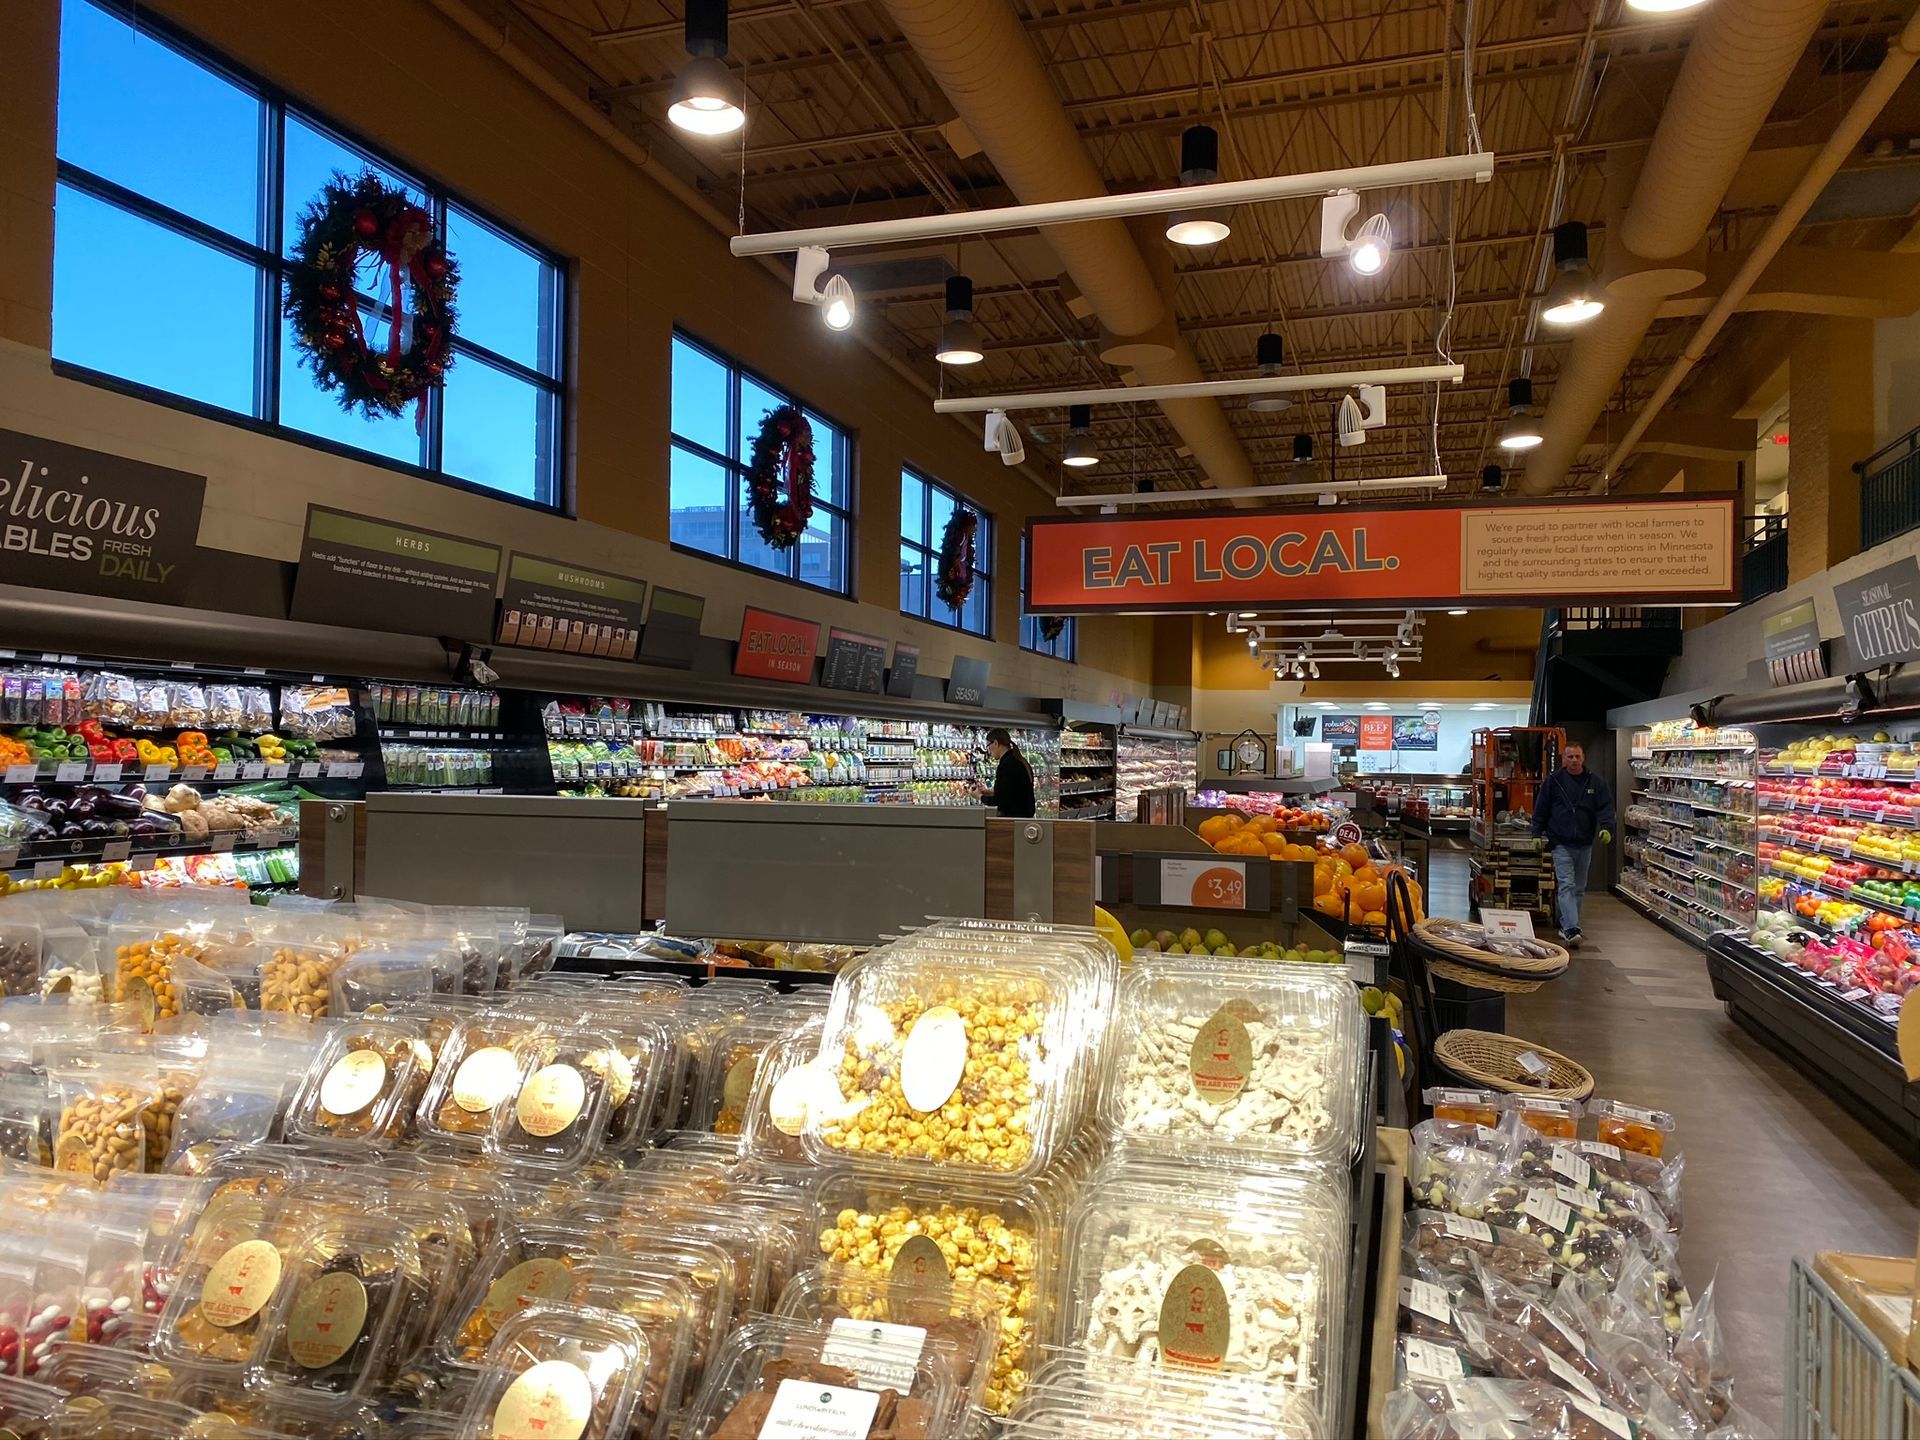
{"x": 1658, "y": 548}
{"x": 74, "y": 519}
{"x": 776, "y": 647}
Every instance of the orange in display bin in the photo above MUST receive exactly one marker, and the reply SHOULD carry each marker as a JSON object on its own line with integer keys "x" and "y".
{"x": 1631, "y": 1127}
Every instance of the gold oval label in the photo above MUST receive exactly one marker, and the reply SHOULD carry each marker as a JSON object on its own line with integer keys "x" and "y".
{"x": 551, "y": 1401}
{"x": 525, "y": 1283}
{"x": 919, "y": 1281}
{"x": 1195, "y": 1320}
{"x": 551, "y": 1100}
{"x": 239, "y": 1283}
{"x": 326, "y": 1318}
{"x": 738, "y": 1087}
{"x": 1221, "y": 1058}
{"x": 934, "y": 1058}
{"x": 353, "y": 1082}
{"x": 485, "y": 1078}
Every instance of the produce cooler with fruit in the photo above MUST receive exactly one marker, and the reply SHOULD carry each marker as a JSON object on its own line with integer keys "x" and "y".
{"x": 1823, "y": 965}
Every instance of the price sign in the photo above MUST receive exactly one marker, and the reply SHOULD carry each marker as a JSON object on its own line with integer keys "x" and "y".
{"x": 71, "y": 770}
{"x": 1211, "y": 884}
{"x": 22, "y": 774}
{"x": 1507, "y": 924}
{"x": 106, "y": 772}
{"x": 253, "y": 770}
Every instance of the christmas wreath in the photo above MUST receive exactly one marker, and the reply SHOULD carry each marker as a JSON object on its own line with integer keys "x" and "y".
{"x": 363, "y": 229}
{"x": 954, "y": 583}
{"x": 780, "y": 482}
{"x": 1052, "y": 627}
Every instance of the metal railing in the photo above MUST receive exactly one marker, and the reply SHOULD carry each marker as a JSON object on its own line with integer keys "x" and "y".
{"x": 1763, "y": 557}
{"x": 1890, "y": 490}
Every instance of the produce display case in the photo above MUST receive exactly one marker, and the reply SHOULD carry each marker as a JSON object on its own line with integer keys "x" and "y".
{"x": 1687, "y": 826}
{"x": 1153, "y": 760}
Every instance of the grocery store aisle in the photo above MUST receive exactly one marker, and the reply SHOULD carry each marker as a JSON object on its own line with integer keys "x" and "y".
{"x": 1774, "y": 1168}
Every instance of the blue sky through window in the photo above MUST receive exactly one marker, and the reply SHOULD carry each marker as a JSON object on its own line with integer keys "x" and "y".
{"x": 187, "y": 304}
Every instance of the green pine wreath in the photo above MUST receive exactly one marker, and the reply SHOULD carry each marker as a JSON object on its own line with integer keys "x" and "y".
{"x": 364, "y": 236}
{"x": 780, "y": 477}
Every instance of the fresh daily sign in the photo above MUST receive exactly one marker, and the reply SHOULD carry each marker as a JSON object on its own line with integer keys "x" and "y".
{"x": 1882, "y": 613}
{"x": 74, "y": 519}
{"x": 1647, "y": 550}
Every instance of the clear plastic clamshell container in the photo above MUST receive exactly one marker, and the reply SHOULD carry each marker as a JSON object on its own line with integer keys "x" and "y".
{"x": 365, "y": 1083}
{"x": 1241, "y": 1281}
{"x": 947, "y": 1059}
{"x": 778, "y": 1377}
{"x": 1260, "y": 1059}
{"x": 559, "y": 1370}
{"x": 1001, "y": 1238}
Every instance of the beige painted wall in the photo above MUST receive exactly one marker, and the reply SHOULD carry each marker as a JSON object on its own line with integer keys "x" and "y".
{"x": 642, "y": 263}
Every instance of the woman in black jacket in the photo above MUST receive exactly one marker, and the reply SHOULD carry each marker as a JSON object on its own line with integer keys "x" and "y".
{"x": 1012, "y": 792}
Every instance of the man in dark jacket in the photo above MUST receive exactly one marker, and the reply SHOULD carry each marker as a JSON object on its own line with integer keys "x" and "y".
{"x": 1573, "y": 809}
{"x": 1012, "y": 792}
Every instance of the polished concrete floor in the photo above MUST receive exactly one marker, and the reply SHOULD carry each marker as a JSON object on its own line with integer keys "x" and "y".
{"x": 1774, "y": 1168}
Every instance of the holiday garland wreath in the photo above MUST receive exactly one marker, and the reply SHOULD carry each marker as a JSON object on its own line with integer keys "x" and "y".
{"x": 954, "y": 582}
{"x": 366, "y": 222}
{"x": 780, "y": 482}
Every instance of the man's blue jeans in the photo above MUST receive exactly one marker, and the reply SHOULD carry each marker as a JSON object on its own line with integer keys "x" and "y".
{"x": 1570, "y": 882}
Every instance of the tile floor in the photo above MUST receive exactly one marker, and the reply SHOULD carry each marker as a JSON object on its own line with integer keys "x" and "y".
{"x": 1774, "y": 1167}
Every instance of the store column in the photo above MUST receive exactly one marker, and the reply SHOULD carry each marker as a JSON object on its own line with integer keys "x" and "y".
{"x": 1832, "y": 368}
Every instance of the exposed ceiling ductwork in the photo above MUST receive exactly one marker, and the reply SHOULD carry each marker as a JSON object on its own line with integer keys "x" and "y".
{"x": 1740, "y": 59}
{"x": 982, "y": 59}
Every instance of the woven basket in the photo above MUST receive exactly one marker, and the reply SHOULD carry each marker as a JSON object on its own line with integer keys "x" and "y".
{"x": 1482, "y": 1058}
{"x": 1516, "y": 967}
{"x": 1480, "y": 979}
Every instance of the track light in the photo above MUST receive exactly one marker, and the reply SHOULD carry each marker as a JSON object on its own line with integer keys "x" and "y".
{"x": 706, "y": 96}
{"x": 1079, "y": 452}
{"x": 1199, "y": 165}
{"x": 1303, "y": 449}
{"x": 1270, "y": 355}
{"x": 1490, "y": 480}
{"x": 834, "y": 297}
{"x": 959, "y": 345}
{"x": 1572, "y": 298}
{"x": 1522, "y": 430}
{"x": 1368, "y": 247}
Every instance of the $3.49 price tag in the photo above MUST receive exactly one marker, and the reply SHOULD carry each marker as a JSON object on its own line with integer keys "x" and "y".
{"x": 1209, "y": 884}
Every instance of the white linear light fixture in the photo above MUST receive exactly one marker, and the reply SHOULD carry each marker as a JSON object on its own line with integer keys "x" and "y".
{"x": 1221, "y": 195}
{"x": 1260, "y": 492}
{"x": 1259, "y": 385}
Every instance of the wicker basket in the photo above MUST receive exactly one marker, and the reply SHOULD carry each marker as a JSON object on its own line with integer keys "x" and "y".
{"x": 1476, "y": 979}
{"x": 1482, "y": 1058}
{"x": 1515, "y": 967}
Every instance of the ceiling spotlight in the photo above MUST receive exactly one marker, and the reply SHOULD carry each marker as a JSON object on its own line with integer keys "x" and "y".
{"x": 834, "y": 297}
{"x": 1368, "y": 247}
{"x": 1490, "y": 479}
{"x": 1199, "y": 165}
{"x": 1572, "y": 298}
{"x": 706, "y": 96}
{"x": 1080, "y": 452}
{"x": 1270, "y": 354}
{"x": 1303, "y": 449}
{"x": 1522, "y": 431}
{"x": 959, "y": 345}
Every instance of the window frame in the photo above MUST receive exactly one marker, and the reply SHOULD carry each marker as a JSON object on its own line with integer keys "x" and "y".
{"x": 270, "y": 271}
{"x": 983, "y": 552}
{"x": 737, "y": 470}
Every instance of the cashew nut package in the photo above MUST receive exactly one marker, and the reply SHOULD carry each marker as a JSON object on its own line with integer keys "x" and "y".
{"x": 1259, "y": 1058}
